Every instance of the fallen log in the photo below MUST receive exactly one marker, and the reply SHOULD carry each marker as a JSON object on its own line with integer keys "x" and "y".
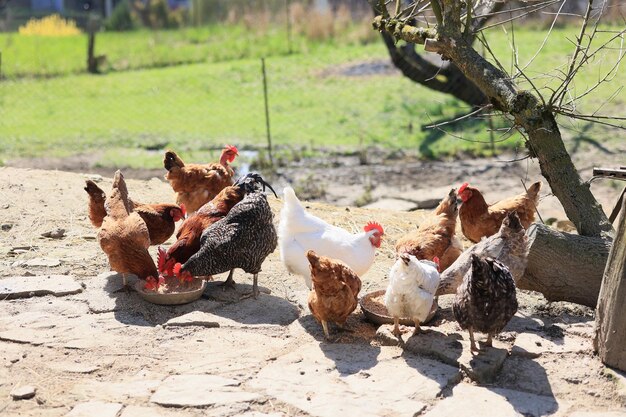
{"x": 610, "y": 341}
{"x": 564, "y": 266}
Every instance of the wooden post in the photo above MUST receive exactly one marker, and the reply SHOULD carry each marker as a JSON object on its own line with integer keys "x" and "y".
{"x": 267, "y": 113}
{"x": 288, "y": 16}
{"x": 610, "y": 341}
{"x": 92, "y": 62}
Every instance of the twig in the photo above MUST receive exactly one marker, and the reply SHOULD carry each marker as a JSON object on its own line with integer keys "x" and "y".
{"x": 465, "y": 116}
{"x": 545, "y": 40}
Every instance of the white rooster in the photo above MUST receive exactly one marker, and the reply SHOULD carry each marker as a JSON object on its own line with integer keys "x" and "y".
{"x": 412, "y": 286}
{"x": 299, "y": 232}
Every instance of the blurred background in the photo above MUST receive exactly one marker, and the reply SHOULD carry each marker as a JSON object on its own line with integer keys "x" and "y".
{"x": 95, "y": 85}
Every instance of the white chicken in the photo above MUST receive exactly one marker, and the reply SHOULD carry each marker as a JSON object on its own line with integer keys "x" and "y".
{"x": 412, "y": 286}
{"x": 299, "y": 232}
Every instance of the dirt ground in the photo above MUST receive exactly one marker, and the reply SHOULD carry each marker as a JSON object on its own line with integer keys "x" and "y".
{"x": 114, "y": 348}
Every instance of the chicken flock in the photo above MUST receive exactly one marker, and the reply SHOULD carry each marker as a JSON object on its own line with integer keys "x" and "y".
{"x": 228, "y": 225}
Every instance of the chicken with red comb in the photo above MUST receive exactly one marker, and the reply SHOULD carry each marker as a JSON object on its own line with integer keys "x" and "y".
{"x": 479, "y": 219}
{"x": 299, "y": 232}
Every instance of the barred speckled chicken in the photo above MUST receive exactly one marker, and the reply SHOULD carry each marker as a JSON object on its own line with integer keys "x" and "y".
{"x": 242, "y": 239}
{"x": 486, "y": 300}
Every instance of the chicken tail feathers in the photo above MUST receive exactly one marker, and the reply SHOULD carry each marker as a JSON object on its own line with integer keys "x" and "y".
{"x": 118, "y": 204}
{"x": 289, "y": 196}
{"x": 533, "y": 191}
{"x": 171, "y": 160}
{"x": 94, "y": 191}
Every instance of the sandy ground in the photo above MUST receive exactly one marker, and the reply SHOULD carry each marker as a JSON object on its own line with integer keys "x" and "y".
{"x": 114, "y": 348}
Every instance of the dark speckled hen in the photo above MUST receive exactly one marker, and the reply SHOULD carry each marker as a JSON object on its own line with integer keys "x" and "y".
{"x": 486, "y": 300}
{"x": 242, "y": 239}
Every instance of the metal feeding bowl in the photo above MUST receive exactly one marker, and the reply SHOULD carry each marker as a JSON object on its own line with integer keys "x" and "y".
{"x": 373, "y": 306}
{"x": 175, "y": 297}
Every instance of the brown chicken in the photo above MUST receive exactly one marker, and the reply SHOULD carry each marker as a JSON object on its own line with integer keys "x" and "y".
{"x": 124, "y": 236}
{"x": 335, "y": 290}
{"x": 479, "y": 219}
{"x": 436, "y": 236}
{"x": 197, "y": 184}
{"x": 189, "y": 234}
{"x": 160, "y": 218}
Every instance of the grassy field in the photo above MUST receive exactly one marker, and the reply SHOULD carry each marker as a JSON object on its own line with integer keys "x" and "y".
{"x": 128, "y": 117}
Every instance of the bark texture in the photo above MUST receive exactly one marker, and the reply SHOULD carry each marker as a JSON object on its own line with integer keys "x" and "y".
{"x": 610, "y": 341}
{"x": 563, "y": 266}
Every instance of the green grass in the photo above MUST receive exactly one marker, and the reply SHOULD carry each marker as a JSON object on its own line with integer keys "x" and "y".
{"x": 128, "y": 117}
{"x": 40, "y": 56}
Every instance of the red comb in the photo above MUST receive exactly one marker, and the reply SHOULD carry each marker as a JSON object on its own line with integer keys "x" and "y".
{"x": 177, "y": 268}
{"x": 436, "y": 261}
{"x": 374, "y": 225}
{"x": 463, "y": 187}
{"x": 183, "y": 209}
{"x": 232, "y": 148}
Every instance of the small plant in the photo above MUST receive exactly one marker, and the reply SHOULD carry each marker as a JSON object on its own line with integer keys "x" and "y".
{"x": 365, "y": 198}
{"x": 121, "y": 18}
{"x": 309, "y": 188}
{"x": 53, "y": 25}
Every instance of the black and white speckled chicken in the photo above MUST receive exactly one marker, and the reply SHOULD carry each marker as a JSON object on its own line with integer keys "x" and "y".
{"x": 486, "y": 300}
{"x": 242, "y": 239}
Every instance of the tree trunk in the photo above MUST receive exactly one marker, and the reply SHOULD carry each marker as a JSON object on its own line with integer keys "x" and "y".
{"x": 610, "y": 341}
{"x": 563, "y": 266}
{"x": 544, "y": 137}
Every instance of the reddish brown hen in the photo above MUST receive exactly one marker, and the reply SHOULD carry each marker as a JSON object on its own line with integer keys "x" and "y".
{"x": 335, "y": 290}
{"x": 197, "y": 184}
{"x": 124, "y": 236}
{"x": 160, "y": 218}
{"x": 436, "y": 237}
{"x": 479, "y": 219}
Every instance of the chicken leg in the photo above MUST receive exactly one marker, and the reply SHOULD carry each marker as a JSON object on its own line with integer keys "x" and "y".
{"x": 489, "y": 342}
{"x": 230, "y": 282}
{"x": 417, "y": 328}
{"x": 473, "y": 346}
{"x": 396, "y": 327}
{"x": 125, "y": 287}
{"x": 255, "y": 288}
{"x": 325, "y": 327}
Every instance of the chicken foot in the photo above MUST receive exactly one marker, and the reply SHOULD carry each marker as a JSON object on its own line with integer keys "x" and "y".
{"x": 125, "y": 287}
{"x": 230, "y": 282}
{"x": 255, "y": 288}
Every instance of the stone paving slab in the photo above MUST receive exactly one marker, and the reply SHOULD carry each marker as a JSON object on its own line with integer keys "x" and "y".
{"x": 200, "y": 391}
{"x": 95, "y": 408}
{"x": 106, "y": 390}
{"x": 354, "y": 379}
{"x": 38, "y": 285}
{"x": 532, "y": 345}
{"x": 140, "y": 411}
{"x": 74, "y": 367}
{"x": 451, "y": 349}
{"x": 471, "y": 401}
{"x": 599, "y": 413}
